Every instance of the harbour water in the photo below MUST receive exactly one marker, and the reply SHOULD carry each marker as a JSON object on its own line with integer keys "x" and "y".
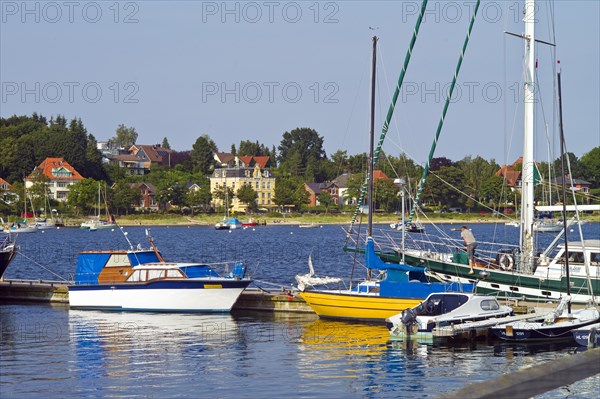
{"x": 51, "y": 351}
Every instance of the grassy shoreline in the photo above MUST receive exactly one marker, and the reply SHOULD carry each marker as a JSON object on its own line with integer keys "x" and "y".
{"x": 296, "y": 219}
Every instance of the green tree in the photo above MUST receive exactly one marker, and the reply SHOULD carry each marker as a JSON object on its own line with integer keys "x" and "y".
{"x": 590, "y": 162}
{"x": 355, "y": 182}
{"x": 290, "y": 191}
{"x": 165, "y": 144}
{"x": 298, "y": 148}
{"x": 386, "y": 195}
{"x": 247, "y": 195}
{"x": 125, "y": 197}
{"x": 247, "y": 147}
{"x": 445, "y": 186}
{"x": 199, "y": 198}
{"x": 83, "y": 196}
{"x": 325, "y": 200}
{"x": 202, "y": 155}
{"x": 577, "y": 169}
{"x": 93, "y": 165}
{"x": 170, "y": 192}
{"x": 491, "y": 190}
{"x": 125, "y": 136}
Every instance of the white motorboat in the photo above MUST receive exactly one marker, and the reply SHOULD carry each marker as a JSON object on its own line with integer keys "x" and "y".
{"x": 441, "y": 310}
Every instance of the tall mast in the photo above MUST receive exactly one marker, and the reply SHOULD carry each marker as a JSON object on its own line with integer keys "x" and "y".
{"x": 564, "y": 190}
{"x": 527, "y": 179}
{"x": 372, "y": 141}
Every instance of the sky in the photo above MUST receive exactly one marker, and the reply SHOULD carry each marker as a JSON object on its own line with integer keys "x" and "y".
{"x": 253, "y": 70}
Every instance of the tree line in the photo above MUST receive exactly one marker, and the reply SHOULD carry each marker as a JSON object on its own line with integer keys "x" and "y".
{"x": 300, "y": 157}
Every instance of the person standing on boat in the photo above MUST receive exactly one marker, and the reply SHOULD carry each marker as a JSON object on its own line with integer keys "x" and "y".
{"x": 471, "y": 244}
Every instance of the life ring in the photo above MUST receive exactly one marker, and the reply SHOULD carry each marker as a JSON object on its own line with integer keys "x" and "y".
{"x": 506, "y": 261}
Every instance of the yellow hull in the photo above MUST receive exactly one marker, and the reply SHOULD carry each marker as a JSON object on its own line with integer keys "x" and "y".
{"x": 352, "y": 306}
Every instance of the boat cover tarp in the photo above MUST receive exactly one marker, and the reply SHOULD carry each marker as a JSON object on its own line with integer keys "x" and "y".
{"x": 142, "y": 257}
{"x": 374, "y": 262}
{"x": 89, "y": 267}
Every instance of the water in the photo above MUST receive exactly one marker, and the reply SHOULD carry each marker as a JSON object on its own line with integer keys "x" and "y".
{"x": 51, "y": 351}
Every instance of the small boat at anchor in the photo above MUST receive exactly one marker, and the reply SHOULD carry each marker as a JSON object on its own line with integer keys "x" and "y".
{"x": 140, "y": 280}
{"x": 229, "y": 224}
{"x": 557, "y": 325}
{"x": 441, "y": 310}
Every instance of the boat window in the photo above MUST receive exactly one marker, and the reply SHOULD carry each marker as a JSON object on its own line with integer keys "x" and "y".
{"x": 135, "y": 276}
{"x": 174, "y": 273}
{"x": 576, "y": 257}
{"x": 452, "y": 302}
{"x": 489, "y": 304}
{"x": 153, "y": 274}
{"x": 595, "y": 258}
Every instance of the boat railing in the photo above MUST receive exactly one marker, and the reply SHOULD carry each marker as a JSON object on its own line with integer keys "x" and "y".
{"x": 428, "y": 245}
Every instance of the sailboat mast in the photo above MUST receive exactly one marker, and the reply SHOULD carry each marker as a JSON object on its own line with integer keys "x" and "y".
{"x": 372, "y": 141}
{"x": 527, "y": 180}
{"x": 564, "y": 190}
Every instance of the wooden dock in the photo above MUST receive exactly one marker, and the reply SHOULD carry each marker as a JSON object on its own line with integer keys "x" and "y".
{"x": 57, "y": 292}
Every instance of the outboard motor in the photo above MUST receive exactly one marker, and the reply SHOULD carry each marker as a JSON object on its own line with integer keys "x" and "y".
{"x": 409, "y": 321}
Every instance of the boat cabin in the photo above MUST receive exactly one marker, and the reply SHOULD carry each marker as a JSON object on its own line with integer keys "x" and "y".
{"x": 150, "y": 272}
{"x": 444, "y": 303}
{"x": 578, "y": 255}
{"x": 109, "y": 267}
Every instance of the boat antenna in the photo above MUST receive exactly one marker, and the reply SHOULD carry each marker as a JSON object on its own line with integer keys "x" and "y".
{"x": 151, "y": 240}
{"x": 564, "y": 189}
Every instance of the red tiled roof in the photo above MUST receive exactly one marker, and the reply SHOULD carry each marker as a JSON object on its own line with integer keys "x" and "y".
{"x": 246, "y": 159}
{"x": 510, "y": 175}
{"x": 378, "y": 174}
{"x": 49, "y": 164}
{"x": 5, "y": 183}
{"x": 262, "y": 161}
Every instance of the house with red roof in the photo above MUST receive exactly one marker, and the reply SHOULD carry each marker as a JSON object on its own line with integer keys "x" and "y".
{"x": 7, "y": 192}
{"x": 60, "y": 175}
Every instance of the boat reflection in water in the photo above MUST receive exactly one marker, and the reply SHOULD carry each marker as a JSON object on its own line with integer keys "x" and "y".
{"x": 138, "y": 345}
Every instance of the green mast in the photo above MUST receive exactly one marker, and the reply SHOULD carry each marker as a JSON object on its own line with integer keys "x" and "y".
{"x": 390, "y": 112}
{"x": 441, "y": 122}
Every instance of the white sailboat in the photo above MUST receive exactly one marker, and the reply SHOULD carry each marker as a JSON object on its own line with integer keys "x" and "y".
{"x": 96, "y": 223}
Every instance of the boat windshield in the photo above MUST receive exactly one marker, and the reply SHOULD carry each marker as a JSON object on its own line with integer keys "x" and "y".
{"x": 154, "y": 274}
{"x": 439, "y": 304}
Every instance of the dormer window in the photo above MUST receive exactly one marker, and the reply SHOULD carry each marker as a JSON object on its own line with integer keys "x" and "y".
{"x": 61, "y": 172}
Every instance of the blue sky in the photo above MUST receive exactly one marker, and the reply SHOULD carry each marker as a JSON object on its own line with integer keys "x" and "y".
{"x": 252, "y": 70}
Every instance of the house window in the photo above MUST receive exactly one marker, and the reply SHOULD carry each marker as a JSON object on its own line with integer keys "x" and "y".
{"x": 62, "y": 184}
{"x": 264, "y": 184}
{"x": 269, "y": 196}
{"x": 263, "y": 195}
{"x": 268, "y": 184}
{"x": 257, "y": 185}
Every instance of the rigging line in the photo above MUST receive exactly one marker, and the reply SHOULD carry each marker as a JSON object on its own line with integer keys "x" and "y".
{"x": 446, "y": 105}
{"x": 390, "y": 112}
{"x": 466, "y": 195}
{"x": 40, "y": 265}
{"x": 358, "y": 93}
